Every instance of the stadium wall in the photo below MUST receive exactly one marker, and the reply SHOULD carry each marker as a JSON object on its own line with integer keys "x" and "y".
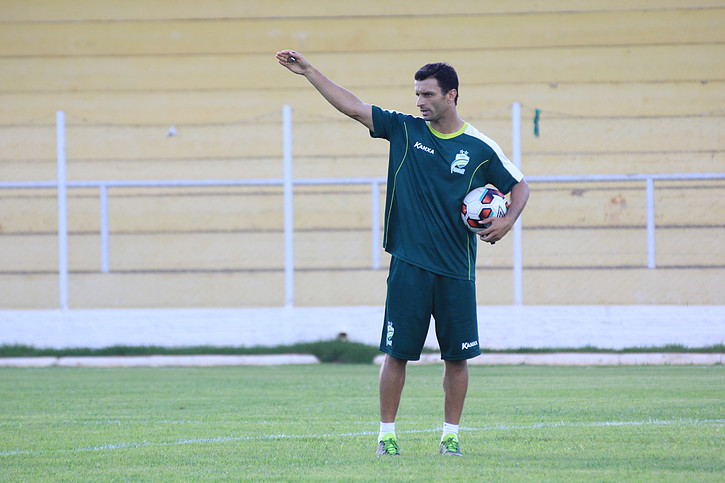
{"x": 604, "y": 327}
{"x": 617, "y": 87}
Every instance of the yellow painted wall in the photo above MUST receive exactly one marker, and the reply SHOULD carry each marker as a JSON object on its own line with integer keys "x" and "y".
{"x": 622, "y": 88}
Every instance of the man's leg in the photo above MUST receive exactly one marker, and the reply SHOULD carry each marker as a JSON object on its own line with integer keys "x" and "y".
{"x": 391, "y": 382}
{"x": 455, "y": 387}
{"x": 457, "y": 331}
{"x": 408, "y": 309}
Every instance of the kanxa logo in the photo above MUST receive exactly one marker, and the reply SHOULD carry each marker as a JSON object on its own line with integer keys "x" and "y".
{"x": 423, "y": 147}
{"x": 468, "y": 345}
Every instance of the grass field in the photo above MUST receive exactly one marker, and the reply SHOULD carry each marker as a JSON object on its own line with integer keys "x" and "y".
{"x": 319, "y": 423}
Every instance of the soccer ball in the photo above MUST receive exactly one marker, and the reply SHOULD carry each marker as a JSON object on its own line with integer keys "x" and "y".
{"x": 480, "y": 204}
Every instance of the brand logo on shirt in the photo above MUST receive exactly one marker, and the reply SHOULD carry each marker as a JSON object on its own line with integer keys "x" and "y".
{"x": 422, "y": 147}
{"x": 459, "y": 164}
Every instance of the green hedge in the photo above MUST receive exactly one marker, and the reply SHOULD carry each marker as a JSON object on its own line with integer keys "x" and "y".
{"x": 334, "y": 351}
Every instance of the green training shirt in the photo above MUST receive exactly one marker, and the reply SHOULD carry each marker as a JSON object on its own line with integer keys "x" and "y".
{"x": 429, "y": 174}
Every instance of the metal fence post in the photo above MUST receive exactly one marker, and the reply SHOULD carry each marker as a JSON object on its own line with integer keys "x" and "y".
{"x": 62, "y": 212}
{"x": 376, "y": 223}
{"x": 289, "y": 257}
{"x": 103, "y": 193}
{"x": 650, "y": 222}
{"x": 517, "y": 262}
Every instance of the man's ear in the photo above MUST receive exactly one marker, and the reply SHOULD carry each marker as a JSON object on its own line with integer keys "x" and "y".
{"x": 451, "y": 95}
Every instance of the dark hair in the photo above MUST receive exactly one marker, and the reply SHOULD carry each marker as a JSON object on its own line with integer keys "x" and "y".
{"x": 444, "y": 73}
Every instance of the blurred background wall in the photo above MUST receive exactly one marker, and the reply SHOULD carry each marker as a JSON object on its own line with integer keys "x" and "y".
{"x": 191, "y": 90}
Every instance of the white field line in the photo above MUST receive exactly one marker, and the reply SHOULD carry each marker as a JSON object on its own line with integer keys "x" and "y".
{"x": 282, "y": 436}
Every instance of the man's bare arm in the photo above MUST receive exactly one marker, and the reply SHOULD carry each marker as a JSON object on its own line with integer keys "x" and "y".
{"x": 343, "y": 100}
{"x": 501, "y": 226}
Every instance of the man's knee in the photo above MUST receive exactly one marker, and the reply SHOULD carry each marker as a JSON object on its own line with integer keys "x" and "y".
{"x": 456, "y": 368}
{"x": 393, "y": 365}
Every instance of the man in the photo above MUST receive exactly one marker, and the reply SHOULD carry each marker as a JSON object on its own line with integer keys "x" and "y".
{"x": 435, "y": 160}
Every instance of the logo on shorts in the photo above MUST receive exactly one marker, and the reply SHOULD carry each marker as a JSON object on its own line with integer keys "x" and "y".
{"x": 468, "y": 345}
{"x": 389, "y": 337}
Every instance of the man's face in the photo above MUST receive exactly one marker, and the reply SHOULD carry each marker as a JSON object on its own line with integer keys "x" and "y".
{"x": 431, "y": 100}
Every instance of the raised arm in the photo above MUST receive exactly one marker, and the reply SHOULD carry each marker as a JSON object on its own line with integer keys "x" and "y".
{"x": 343, "y": 100}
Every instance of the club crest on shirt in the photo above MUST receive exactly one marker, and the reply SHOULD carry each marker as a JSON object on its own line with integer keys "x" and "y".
{"x": 459, "y": 164}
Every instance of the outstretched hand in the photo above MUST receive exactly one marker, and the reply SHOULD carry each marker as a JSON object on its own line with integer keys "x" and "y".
{"x": 294, "y": 61}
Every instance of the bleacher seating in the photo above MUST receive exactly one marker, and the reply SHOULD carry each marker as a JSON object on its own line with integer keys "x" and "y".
{"x": 624, "y": 88}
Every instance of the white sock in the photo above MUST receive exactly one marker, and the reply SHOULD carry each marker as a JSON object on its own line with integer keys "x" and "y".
{"x": 450, "y": 429}
{"x": 386, "y": 428}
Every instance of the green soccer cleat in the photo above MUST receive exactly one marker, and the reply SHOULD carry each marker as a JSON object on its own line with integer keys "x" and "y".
{"x": 449, "y": 446}
{"x": 388, "y": 446}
